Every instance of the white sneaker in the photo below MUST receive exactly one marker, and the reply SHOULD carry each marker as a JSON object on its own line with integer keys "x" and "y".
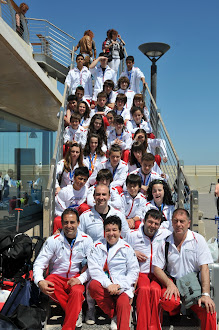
{"x": 79, "y": 320}
{"x": 113, "y": 325}
{"x": 90, "y": 316}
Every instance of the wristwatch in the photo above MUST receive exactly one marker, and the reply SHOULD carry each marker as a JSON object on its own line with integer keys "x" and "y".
{"x": 206, "y": 294}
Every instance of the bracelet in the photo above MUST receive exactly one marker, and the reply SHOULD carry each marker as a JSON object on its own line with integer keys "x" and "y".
{"x": 206, "y": 294}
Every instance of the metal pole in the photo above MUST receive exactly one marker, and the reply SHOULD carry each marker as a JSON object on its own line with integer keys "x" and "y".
{"x": 180, "y": 184}
{"x": 154, "y": 80}
{"x": 154, "y": 118}
{"x": 194, "y": 210}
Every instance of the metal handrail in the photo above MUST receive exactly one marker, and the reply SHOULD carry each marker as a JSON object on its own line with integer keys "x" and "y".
{"x": 59, "y": 43}
{"x": 174, "y": 167}
{"x": 44, "y": 20}
{"x": 49, "y": 193}
{"x": 48, "y": 39}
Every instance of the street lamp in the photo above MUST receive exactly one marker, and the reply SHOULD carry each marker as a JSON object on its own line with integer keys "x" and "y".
{"x": 154, "y": 51}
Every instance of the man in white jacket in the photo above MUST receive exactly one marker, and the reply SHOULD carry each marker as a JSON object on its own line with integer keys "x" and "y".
{"x": 80, "y": 76}
{"x": 186, "y": 253}
{"x": 145, "y": 242}
{"x": 114, "y": 269}
{"x": 101, "y": 73}
{"x": 134, "y": 75}
{"x": 91, "y": 221}
{"x": 65, "y": 252}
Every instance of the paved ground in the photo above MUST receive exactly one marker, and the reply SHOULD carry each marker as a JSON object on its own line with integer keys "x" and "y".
{"x": 208, "y": 207}
{"x": 54, "y": 323}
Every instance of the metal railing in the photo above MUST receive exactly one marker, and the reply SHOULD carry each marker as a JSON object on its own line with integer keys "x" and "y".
{"x": 49, "y": 193}
{"x": 7, "y": 13}
{"x": 46, "y": 38}
{"x": 174, "y": 166}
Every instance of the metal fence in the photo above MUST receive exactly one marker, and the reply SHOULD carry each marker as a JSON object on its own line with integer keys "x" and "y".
{"x": 174, "y": 166}
{"x": 49, "y": 193}
{"x": 48, "y": 39}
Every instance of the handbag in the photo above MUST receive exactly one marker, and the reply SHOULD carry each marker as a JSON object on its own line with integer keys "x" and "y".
{"x": 189, "y": 288}
{"x": 188, "y": 285}
{"x": 121, "y": 53}
{"x": 29, "y": 317}
{"x": 109, "y": 56}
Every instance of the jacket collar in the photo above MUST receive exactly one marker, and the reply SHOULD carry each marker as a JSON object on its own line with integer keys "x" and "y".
{"x": 78, "y": 237}
{"x": 113, "y": 250}
{"x": 189, "y": 237}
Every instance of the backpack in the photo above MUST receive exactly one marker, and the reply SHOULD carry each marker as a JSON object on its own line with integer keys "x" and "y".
{"x": 23, "y": 306}
{"x": 15, "y": 252}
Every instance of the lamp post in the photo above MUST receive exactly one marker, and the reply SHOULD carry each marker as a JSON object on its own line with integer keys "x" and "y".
{"x": 154, "y": 51}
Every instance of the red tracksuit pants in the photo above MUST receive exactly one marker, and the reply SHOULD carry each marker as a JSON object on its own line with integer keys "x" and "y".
{"x": 70, "y": 299}
{"x": 112, "y": 305}
{"x": 147, "y": 303}
{"x": 208, "y": 320}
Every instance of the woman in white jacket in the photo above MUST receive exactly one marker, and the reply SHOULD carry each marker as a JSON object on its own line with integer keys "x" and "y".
{"x": 93, "y": 155}
{"x": 65, "y": 168}
{"x": 159, "y": 197}
{"x": 114, "y": 269}
{"x": 151, "y": 145}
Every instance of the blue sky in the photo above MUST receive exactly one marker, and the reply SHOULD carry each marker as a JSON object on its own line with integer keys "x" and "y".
{"x": 187, "y": 82}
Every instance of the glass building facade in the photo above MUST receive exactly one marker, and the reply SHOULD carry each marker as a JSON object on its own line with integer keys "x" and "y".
{"x": 25, "y": 153}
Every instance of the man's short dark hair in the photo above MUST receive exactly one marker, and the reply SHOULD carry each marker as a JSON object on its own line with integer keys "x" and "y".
{"x": 79, "y": 55}
{"x": 113, "y": 220}
{"x": 70, "y": 211}
{"x": 75, "y": 116}
{"x": 104, "y": 174}
{"x": 148, "y": 157}
{"x": 102, "y": 94}
{"x": 103, "y": 54}
{"x": 79, "y": 88}
{"x": 133, "y": 179}
{"x": 109, "y": 83}
{"x": 115, "y": 148}
{"x": 72, "y": 98}
{"x": 130, "y": 58}
{"x": 155, "y": 214}
{"x": 121, "y": 97}
{"x": 83, "y": 170}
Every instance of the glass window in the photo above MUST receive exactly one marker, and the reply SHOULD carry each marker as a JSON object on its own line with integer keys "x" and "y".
{"x": 25, "y": 153}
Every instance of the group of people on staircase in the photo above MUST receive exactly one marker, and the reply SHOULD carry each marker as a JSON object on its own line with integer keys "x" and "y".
{"x": 117, "y": 234}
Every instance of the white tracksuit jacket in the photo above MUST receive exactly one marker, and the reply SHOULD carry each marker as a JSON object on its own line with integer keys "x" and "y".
{"x": 132, "y": 207}
{"x": 119, "y": 175}
{"x": 125, "y": 138}
{"x": 79, "y": 135}
{"x": 122, "y": 264}
{"x": 140, "y": 242}
{"x": 92, "y": 224}
{"x": 63, "y": 260}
